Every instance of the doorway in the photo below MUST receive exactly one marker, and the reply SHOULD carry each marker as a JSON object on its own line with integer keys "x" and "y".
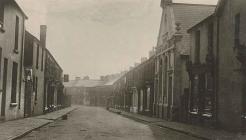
{"x": 5, "y": 73}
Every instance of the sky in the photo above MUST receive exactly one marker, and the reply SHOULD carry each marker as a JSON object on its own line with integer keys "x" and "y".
{"x": 97, "y": 37}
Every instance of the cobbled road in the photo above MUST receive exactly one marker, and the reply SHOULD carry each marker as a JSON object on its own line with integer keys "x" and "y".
{"x": 92, "y": 123}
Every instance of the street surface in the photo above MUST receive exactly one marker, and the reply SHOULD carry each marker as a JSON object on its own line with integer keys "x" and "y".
{"x": 91, "y": 123}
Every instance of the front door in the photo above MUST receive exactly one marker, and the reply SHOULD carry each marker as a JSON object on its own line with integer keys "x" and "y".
{"x": 5, "y": 73}
{"x": 28, "y": 99}
{"x": 170, "y": 96}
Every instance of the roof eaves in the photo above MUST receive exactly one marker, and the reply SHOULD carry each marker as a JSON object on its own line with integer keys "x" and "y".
{"x": 33, "y": 37}
{"x": 54, "y": 59}
{"x": 194, "y": 4}
{"x": 17, "y": 5}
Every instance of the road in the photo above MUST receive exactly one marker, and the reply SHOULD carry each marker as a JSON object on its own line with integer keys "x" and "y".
{"x": 91, "y": 123}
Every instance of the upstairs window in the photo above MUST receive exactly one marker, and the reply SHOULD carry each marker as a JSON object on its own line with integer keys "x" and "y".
{"x": 197, "y": 47}
{"x": 237, "y": 31}
{"x": 37, "y": 58}
{"x": 16, "y": 33}
{"x": 42, "y": 61}
{"x": 210, "y": 37}
{"x": 1, "y": 14}
{"x": 36, "y": 89}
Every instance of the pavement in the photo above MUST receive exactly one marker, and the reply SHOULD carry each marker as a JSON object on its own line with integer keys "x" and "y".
{"x": 195, "y": 131}
{"x": 15, "y": 129}
{"x": 95, "y": 123}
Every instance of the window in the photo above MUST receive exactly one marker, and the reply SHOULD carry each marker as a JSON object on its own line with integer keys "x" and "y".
{"x": 160, "y": 80}
{"x": 42, "y": 61}
{"x": 37, "y": 59}
{"x": 170, "y": 88}
{"x": 16, "y": 33}
{"x": 1, "y": 14}
{"x": 170, "y": 60}
{"x": 14, "y": 82}
{"x": 34, "y": 83}
{"x": 237, "y": 31}
{"x": 210, "y": 38}
{"x": 165, "y": 79}
{"x": 0, "y": 61}
{"x": 36, "y": 89}
{"x": 197, "y": 47}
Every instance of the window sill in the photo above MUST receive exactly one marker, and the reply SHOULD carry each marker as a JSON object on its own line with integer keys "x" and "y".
{"x": 16, "y": 51}
{"x": 193, "y": 113}
{"x": 13, "y": 104}
{"x": 207, "y": 115}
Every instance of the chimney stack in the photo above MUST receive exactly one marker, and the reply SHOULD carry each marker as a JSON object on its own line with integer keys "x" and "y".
{"x": 43, "y": 30}
{"x": 66, "y": 78}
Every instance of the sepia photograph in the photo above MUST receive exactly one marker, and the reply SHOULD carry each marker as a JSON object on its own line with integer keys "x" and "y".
{"x": 122, "y": 70}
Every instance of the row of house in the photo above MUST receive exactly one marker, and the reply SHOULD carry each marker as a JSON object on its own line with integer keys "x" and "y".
{"x": 30, "y": 78}
{"x": 197, "y": 73}
{"x": 91, "y": 92}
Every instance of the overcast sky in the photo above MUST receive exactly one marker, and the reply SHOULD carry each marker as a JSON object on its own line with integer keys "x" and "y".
{"x": 97, "y": 37}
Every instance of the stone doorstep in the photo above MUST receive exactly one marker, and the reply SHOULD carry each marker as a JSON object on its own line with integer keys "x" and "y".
{"x": 195, "y": 131}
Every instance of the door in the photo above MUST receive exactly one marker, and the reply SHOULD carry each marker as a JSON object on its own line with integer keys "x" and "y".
{"x": 28, "y": 99}
{"x": 5, "y": 73}
{"x": 170, "y": 96}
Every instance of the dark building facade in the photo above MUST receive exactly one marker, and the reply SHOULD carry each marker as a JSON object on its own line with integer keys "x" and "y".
{"x": 134, "y": 91}
{"x": 53, "y": 82}
{"x": 202, "y": 72}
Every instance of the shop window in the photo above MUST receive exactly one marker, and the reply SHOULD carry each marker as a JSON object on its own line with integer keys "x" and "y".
{"x": 194, "y": 95}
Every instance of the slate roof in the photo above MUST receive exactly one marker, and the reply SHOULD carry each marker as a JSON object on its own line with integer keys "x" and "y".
{"x": 201, "y": 22}
{"x": 111, "y": 82}
{"x": 189, "y": 15}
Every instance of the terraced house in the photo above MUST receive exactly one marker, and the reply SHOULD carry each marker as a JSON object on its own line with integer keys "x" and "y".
{"x": 172, "y": 51}
{"x": 34, "y": 63}
{"x": 53, "y": 84}
{"x": 217, "y": 68}
{"x": 12, "y": 33}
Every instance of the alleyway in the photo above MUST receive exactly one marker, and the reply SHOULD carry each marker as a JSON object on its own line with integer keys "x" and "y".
{"x": 90, "y": 123}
